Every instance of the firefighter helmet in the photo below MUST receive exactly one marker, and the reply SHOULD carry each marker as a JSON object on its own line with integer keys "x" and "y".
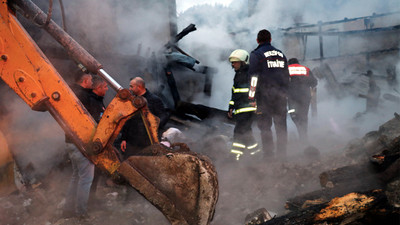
{"x": 239, "y": 55}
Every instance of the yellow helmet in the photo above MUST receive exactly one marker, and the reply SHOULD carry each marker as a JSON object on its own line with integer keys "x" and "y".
{"x": 239, "y": 55}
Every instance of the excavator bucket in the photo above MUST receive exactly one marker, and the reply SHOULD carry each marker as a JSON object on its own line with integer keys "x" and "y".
{"x": 7, "y": 182}
{"x": 181, "y": 184}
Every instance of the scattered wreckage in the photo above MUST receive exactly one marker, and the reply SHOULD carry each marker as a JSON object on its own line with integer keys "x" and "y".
{"x": 182, "y": 184}
{"x": 365, "y": 192}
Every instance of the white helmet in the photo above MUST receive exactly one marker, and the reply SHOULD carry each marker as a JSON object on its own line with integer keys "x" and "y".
{"x": 239, "y": 55}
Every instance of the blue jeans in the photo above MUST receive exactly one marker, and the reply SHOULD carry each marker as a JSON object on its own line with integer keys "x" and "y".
{"x": 81, "y": 180}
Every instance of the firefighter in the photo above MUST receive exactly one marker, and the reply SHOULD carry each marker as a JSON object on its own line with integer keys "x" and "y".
{"x": 240, "y": 108}
{"x": 269, "y": 74}
{"x": 302, "y": 82}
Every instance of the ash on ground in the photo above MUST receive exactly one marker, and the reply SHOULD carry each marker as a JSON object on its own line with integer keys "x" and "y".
{"x": 244, "y": 187}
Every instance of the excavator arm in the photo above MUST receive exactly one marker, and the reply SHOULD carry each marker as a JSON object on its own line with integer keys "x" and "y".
{"x": 181, "y": 183}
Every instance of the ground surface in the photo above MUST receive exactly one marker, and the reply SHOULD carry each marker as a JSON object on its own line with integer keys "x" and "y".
{"x": 244, "y": 186}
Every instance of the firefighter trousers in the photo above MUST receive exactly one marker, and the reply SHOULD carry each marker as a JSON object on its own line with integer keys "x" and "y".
{"x": 243, "y": 132}
{"x": 300, "y": 116}
{"x": 275, "y": 113}
{"x": 243, "y": 139}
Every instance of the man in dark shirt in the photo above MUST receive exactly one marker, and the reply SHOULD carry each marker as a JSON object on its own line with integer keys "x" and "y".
{"x": 100, "y": 88}
{"x": 134, "y": 135}
{"x": 82, "y": 168}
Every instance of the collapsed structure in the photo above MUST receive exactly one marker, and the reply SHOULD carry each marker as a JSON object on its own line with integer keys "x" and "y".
{"x": 332, "y": 38}
{"x": 343, "y": 51}
{"x": 28, "y": 72}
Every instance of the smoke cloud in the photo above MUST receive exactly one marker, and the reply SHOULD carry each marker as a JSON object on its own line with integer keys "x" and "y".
{"x": 222, "y": 29}
{"x": 126, "y": 30}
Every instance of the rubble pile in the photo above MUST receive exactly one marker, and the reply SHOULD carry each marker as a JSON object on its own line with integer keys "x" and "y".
{"x": 366, "y": 191}
{"x": 114, "y": 204}
{"x": 289, "y": 192}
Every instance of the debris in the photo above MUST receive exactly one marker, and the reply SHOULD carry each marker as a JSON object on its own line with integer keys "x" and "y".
{"x": 393, "y": 193}
{"x": 259, "y": 216}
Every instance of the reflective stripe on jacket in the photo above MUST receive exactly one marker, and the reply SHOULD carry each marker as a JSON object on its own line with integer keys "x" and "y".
{"x": 301, "y": 80}
{"x": 268, "y": 66}
{"x": 298, "y": 70}
{"x": 240, "y": 91}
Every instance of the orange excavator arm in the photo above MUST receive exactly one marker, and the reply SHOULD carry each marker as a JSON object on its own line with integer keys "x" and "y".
{"x": 184, "y": 185}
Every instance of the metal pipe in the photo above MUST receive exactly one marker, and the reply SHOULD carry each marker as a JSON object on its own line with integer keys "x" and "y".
{"x": 110, "y": 80}
{"x": 74, "y": 49}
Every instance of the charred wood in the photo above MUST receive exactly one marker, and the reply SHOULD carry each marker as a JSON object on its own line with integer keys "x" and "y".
{"x": 360, "y": 173}
{"x": 365, "y": 176}
{"x": 388, "y": 161}
{"x": 326, "y": 194}
{"x": 375, "y": 142}
{"x": 354, "y": 208}
{"x": 259, "y": 216}
{"x": 378, "y": 169}
{"x": 393, "y": 192}
{"x": 392, "y": 172}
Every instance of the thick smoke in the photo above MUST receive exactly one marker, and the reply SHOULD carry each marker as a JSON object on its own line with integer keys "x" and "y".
{"x": 36, "y": 141}
{"x": 120, "y": 35}
{"x": 281, "y": 15}
{"x": 128, "y": 29}
{"x": 222, "y": 29}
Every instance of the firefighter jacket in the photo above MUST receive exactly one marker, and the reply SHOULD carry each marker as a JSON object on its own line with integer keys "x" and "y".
{"x": 269, "y": 74}
{"x": 301, "y": 80}
{"x": 240, "y": 91}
